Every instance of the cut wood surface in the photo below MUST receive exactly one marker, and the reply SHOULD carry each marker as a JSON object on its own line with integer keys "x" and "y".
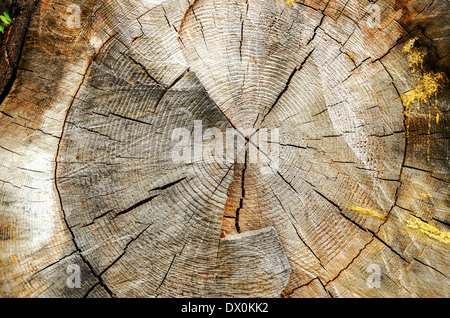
{"x": 357, "y": 185}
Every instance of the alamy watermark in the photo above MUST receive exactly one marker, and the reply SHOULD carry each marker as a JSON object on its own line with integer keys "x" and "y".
{"x": 374, "y": 279}
{"x": 74, "y": 19}
{"x": 374, "y": 19}
{"x": 213, "y": 145}
{"x": 74, "y": 278}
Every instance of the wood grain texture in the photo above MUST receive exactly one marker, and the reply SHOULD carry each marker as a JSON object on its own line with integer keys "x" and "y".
{"x": 87, "y": 175}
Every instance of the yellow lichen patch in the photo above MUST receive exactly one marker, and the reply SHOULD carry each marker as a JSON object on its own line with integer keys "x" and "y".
{"x": 416, "y": 59}
{"x": 421, "y": 252}
{"x": 429, "y": 230}
{"x": 409, "y": 46}
{"x": 43, "y": 289}
{"x": 428, "y": 139}
{"x": 350, "y": 58}
{"x": 428, "y": 87}
{"x": 427, "y": 194}
{"x": 290, "y": 2}
{"x": 362, "y": 210}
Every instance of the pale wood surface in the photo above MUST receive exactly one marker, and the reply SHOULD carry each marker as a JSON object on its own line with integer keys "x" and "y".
{"x": 87, "y": 178}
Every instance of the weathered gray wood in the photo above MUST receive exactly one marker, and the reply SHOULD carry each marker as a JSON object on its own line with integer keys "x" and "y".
{"x": 87, "y": 175}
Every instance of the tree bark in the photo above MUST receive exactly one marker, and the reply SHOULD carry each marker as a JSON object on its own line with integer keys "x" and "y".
{"x": 11, "y": 41}
{"x": 355, "y": 204}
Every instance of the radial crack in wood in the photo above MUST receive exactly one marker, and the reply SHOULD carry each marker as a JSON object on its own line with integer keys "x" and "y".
{"x": 249, "y": 148}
